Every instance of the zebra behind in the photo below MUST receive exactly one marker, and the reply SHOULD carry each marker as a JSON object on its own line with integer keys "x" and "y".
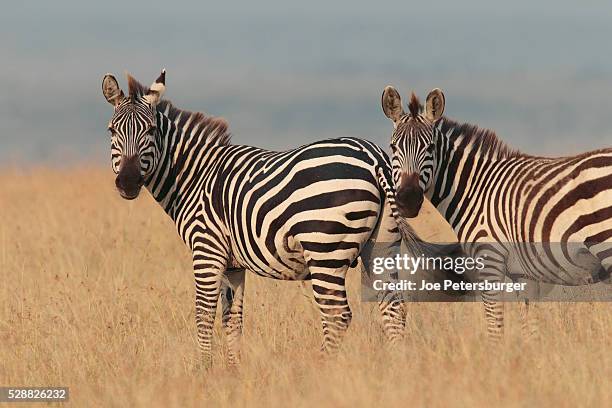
{"x": 302, "y": 214}
{"x": 490, "y": 193}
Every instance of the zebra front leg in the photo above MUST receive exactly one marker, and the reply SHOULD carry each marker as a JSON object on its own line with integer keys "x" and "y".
{"x": 208, "y": 271}
{"x": 232, "y": 295}
{"x": 329, "y": 290}
{"x": 493, "y": 271}
{"x": 530, "y": 321}
{"x": 494, "y": 314}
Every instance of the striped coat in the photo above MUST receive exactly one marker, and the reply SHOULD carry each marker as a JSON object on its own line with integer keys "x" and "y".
{"x": 306, "y": 213}
{"x": 497, "y": 199}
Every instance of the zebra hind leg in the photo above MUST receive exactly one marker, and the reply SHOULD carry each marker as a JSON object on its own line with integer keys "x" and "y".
{"x": 329, "y": 290}
{"x": 386, "y": 243}
{"x": 232, "y": 301}
{"x": 390, "y": 303}
{"x": 393, "y": 316}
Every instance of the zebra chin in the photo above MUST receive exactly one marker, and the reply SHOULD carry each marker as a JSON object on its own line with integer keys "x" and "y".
{"x": 129, "y": 194}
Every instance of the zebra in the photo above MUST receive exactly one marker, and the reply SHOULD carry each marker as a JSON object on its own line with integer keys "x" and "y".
{"x": 305, "y": 213}
{"x": 491, "y": 194}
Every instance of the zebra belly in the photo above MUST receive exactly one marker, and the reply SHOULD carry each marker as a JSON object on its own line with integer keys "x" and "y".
{"x": 282, "y": 268}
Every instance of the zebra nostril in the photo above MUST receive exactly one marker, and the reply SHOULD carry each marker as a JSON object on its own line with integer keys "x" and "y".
{"x": 130, "y": 178}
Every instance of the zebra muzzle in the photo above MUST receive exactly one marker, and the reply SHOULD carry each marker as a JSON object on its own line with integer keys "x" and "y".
{"x": 129, "y": 180}
{"x": 409, "y": 195}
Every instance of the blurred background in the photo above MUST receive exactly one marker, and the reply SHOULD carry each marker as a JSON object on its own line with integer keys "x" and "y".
{"x": 284, "y": 75}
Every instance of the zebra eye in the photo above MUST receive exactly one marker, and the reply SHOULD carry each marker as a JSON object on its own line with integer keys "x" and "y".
{"x": 151, "y": 130}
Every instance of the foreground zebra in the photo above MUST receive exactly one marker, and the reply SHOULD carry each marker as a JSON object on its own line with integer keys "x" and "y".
{"x": 302, "y": 214}
{"x": 491, "y": 194}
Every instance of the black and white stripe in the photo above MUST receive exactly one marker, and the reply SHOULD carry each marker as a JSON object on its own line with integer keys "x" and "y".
{"x": 302, "y": 214}
{"x": 491, "y": 194}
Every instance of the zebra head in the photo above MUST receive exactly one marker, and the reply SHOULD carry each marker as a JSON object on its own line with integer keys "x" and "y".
{"x": 133, "y": 129}
{"x": 412, "y": 146}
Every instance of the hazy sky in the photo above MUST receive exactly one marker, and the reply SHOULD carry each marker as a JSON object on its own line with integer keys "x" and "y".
{"x": 541, "y": 75}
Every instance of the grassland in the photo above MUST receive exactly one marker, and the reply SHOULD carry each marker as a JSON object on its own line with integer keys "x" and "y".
{"x": 96, "y": 294}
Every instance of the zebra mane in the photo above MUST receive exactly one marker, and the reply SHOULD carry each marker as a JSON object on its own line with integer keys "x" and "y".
{"x": 414, "y": 106}
{"x": 135, "y": 88}
{"x": 214, "y": 130}
{"x": 482, "y": 139}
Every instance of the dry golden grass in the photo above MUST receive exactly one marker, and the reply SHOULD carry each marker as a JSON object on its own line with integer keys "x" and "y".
{"x": 97, "y": 295}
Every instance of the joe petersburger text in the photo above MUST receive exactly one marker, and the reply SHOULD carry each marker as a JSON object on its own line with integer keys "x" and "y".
{"x": 410, "y": 264}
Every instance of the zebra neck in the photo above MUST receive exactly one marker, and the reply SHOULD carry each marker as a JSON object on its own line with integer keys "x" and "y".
{"x": 465, "y": 156}
{"x": 184, "y": 151}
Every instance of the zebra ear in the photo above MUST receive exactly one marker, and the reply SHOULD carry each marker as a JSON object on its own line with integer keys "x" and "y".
{"x": 157, "y": 89}
{"x": 110, "y": 89}
{"x": 434, "y": 106}
{"x": 392, "y": 104}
